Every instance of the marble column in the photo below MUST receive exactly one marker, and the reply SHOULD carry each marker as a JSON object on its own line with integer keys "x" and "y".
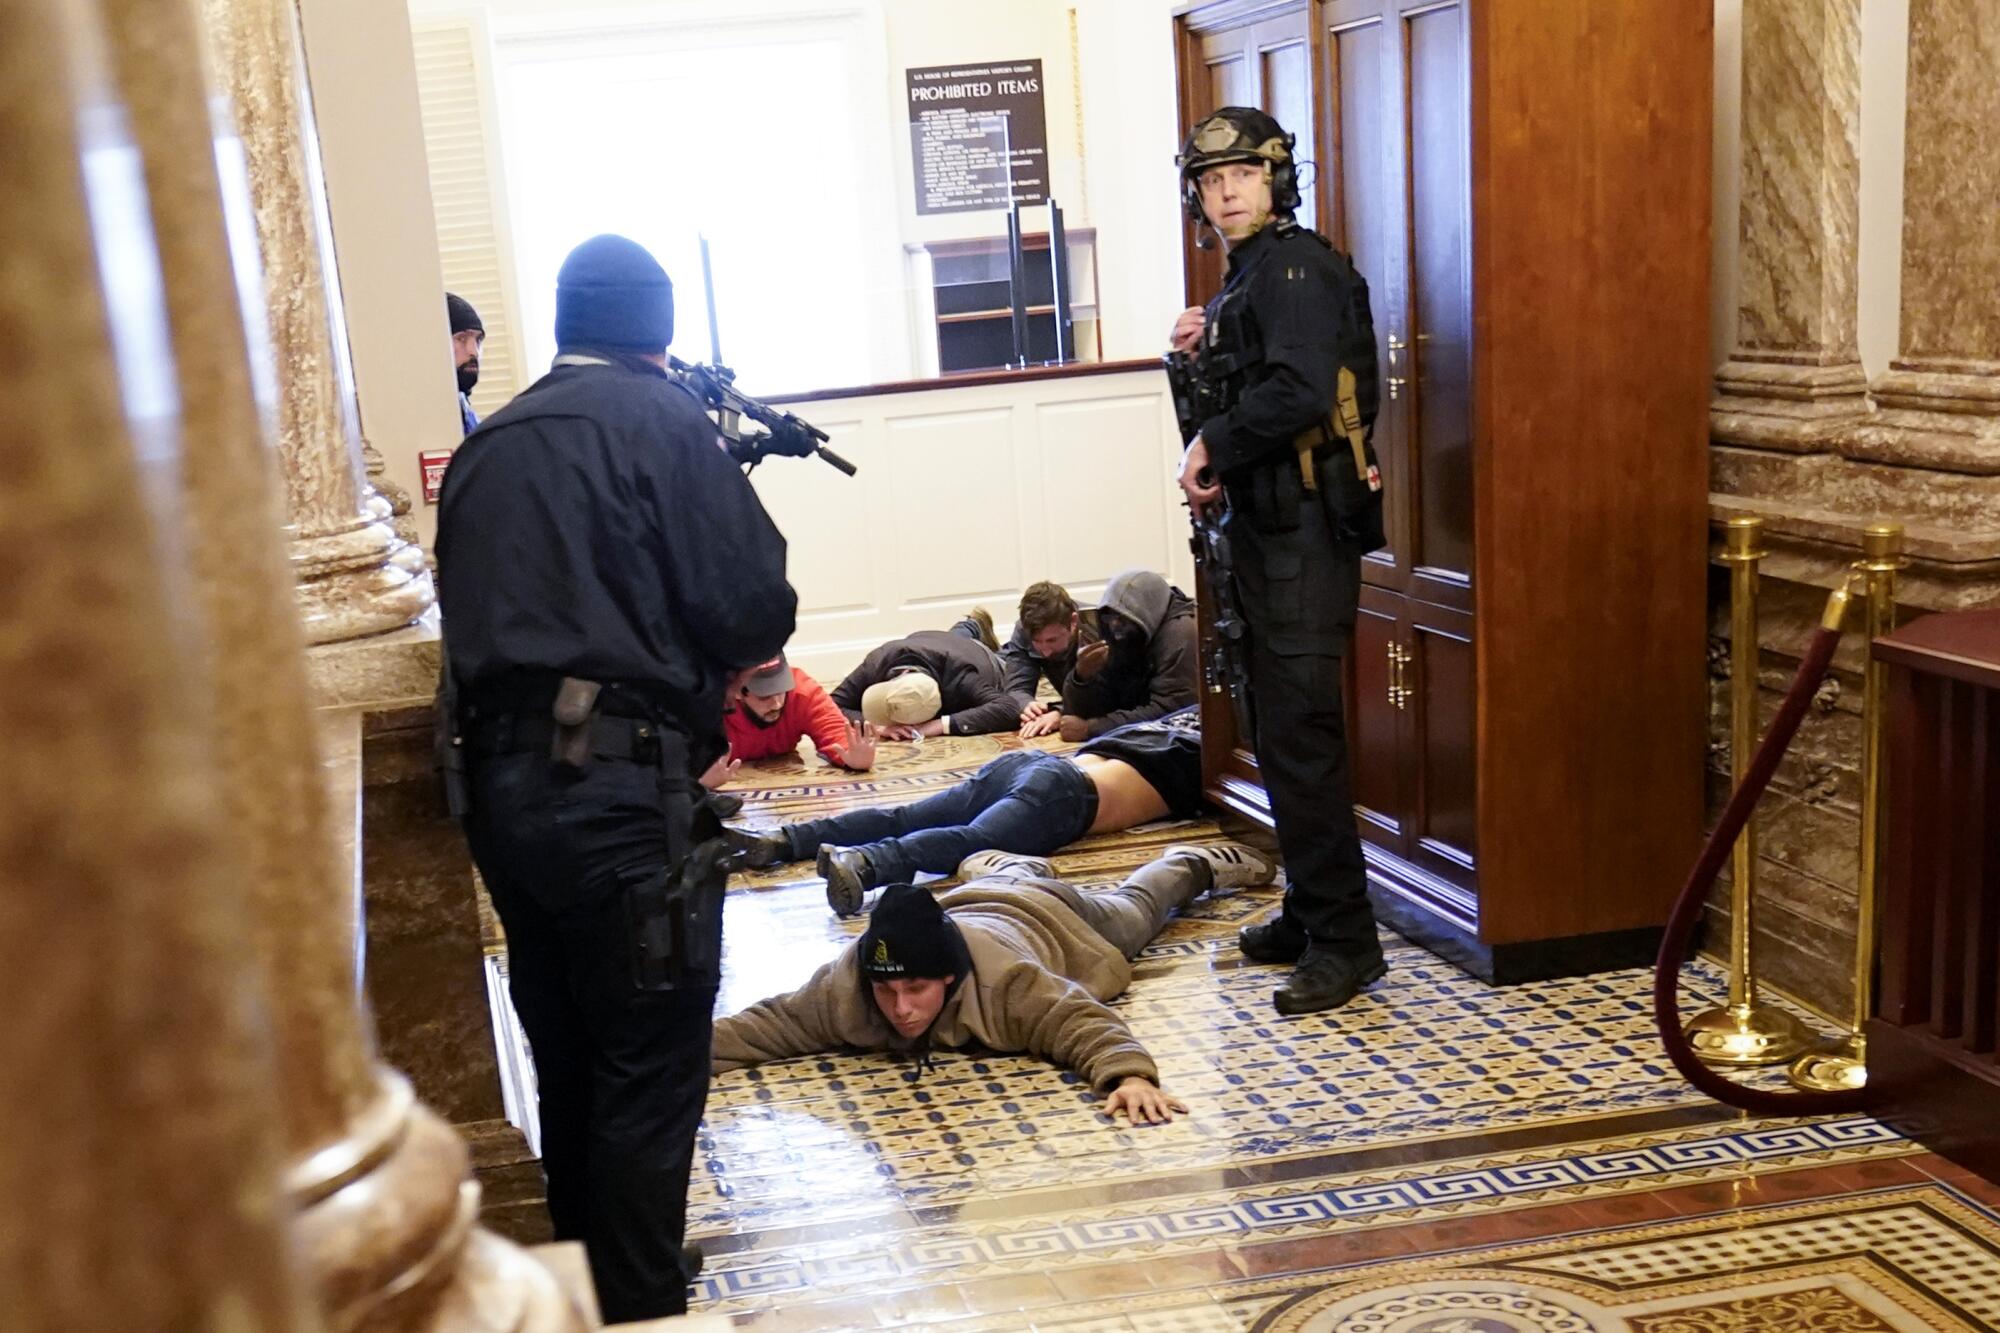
{"x": 384, "y": 1203}
{"x": 356, "y": 576}
{"x": 1927, "y": 453}
{"x": 139, "y": 1165}
{"x": 1941, "y": 395}
{"x": 1795, "y": 377}
{"x": 1791, "y": 389}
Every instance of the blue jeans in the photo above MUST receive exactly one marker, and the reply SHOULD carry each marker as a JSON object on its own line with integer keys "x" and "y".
{"x": 1026, "y": 801}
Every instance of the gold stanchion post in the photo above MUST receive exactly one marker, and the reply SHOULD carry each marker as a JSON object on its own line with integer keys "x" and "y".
{"x": 1845, "y": 1065}
{"x": 1744, "y": 1031}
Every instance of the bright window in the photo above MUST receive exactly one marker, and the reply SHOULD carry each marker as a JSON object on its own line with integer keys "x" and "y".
{"x": 744, "y": 134}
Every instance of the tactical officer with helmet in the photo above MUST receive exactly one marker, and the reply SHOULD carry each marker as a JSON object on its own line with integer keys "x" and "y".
{"x": 607, "y": 577}
{"x": 1286, "y": 359}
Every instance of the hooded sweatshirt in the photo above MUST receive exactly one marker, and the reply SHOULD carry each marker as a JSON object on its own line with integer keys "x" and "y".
{"x": 1148, "y": 686}
{"x": 1040, "y": 979}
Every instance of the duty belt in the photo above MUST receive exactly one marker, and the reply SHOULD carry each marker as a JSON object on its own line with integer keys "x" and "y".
{"x": 624, "y": 739}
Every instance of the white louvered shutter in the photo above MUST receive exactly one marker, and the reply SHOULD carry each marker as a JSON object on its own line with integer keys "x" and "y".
{"x": 467, "y": 198}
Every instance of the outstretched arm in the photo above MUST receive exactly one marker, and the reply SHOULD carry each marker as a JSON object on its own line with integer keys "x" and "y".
{"x": 805, "y": 1021}
{"x": 1050, "y": 1016}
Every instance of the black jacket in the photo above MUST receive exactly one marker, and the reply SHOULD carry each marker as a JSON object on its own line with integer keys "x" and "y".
{"x": 1024, "y": 671}
{"x": 1278, "y": 329}
{"x": 1122, "y": 693}
{"x": 592, "y": 528}
{"x": 1167, "y": 753}
{"x": 1290, "y": 310}
{"x": 966, "y": 670}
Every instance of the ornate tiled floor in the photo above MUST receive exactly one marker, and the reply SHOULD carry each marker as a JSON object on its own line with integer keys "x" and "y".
{"x": 1439, "y": 1157}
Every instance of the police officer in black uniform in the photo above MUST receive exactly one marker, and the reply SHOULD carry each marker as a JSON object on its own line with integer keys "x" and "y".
{"x": 606, "y": 573}
{"x": 1288, "y": 347}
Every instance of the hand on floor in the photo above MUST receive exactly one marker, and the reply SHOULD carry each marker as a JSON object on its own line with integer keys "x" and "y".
{"x": 1074, "y": 728}
{"x": 1142, "y": 1100}
{"x": 859, "y": 751}
{"x": 1041, "y": 724}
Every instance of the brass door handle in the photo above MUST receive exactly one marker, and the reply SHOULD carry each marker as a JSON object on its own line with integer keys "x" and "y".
{"x": 1395, "y": 345}
{"x": 1399, "y": 692}
{"x": 1395, "y": 383}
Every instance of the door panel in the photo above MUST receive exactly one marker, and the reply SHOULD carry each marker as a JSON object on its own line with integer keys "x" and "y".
{"x": 1435, "y": 100}
{"x": 1367, "y": 221}
{"x": 1445, "y": 810}
{"x": 1229, "y": 77}
{"x": 1375, "y": 725}
{"x": 1287, "y": 71}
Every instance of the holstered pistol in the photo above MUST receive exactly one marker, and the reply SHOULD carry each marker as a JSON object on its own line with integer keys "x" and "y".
{"x": 574, "y": 710}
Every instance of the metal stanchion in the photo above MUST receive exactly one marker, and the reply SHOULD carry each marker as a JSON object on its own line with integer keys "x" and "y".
{"x": 1845, "y": 1065}
{"x": 1744, "y": 1031}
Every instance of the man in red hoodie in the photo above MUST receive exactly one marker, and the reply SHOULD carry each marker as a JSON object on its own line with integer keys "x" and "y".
{"x": 778, "y": 705}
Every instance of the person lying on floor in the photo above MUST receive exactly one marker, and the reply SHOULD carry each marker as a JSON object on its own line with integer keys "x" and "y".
{"x": 1026, "y": 801}
{"x": 780, "y": 705}
{"x": 1146, "y": 665}
{"x": 1014, "y": 959}
{"x": 1049, "y": 630}
{"x": 935, "y": 682}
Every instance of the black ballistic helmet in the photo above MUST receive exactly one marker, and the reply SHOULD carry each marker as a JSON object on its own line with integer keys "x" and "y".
{"x": 1239, "y": 134}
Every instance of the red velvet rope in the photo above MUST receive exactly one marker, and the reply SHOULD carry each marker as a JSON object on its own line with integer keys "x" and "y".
{"x": 1687, "y": 908}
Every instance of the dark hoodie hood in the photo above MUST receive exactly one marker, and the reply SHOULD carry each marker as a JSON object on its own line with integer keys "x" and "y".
{"x": 1146, "y": 599}
{"x": 1139, "y": 595}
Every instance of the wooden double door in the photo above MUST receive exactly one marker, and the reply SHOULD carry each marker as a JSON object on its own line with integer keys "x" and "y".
{"x": 1377, "y": 93}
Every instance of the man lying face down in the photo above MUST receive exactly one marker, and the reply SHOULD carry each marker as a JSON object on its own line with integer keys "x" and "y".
{"x": 1015, "y": 960}
{"x": 1026, "y": 801}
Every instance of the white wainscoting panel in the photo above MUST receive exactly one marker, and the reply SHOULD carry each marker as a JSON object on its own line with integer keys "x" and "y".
{"x": 957, "y": 519}
{"x": 968, "y": 494}
{"x": 825, "y": 517}
{"x": 1103, "y": 491}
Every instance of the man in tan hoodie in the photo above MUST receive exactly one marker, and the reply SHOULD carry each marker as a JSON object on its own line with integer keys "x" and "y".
{"x": 1015, "y": 960}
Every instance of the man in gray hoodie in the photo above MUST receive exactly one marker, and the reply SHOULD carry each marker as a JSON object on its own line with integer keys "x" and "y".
{"x": 1015, "y": 960}
{"x": 1144, "y": 668}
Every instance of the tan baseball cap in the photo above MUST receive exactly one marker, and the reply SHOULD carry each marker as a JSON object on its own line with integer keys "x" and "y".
{"x": 902, "y": 701}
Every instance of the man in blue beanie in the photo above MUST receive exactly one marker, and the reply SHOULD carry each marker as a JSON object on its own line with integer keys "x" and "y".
{"x": 608, "y": 578}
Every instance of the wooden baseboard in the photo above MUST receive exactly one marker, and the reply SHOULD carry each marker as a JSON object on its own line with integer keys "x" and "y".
{"x": 1927, "y": 1089}
{"x": 1440, "y": 917}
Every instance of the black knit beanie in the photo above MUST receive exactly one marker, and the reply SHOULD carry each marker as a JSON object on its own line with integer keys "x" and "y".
{"x": 909, "y": 935}
{"x": 613, "y": 296}
{"x": 464, "y": 319}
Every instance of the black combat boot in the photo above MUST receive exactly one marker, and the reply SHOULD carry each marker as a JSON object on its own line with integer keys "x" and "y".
{"x": 1327, "y": 979}
{"x": 848, "y": 878}
{"x": 768, "y": 847}
{"x": 1273, "y": 941}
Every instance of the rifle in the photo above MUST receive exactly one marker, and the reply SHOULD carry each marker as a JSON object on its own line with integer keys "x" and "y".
{"x": 784, "y": 433}
{"x": 1225, "y": 667}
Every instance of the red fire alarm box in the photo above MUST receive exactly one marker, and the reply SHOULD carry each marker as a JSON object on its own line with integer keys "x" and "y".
{"x": 433, "y": 462}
